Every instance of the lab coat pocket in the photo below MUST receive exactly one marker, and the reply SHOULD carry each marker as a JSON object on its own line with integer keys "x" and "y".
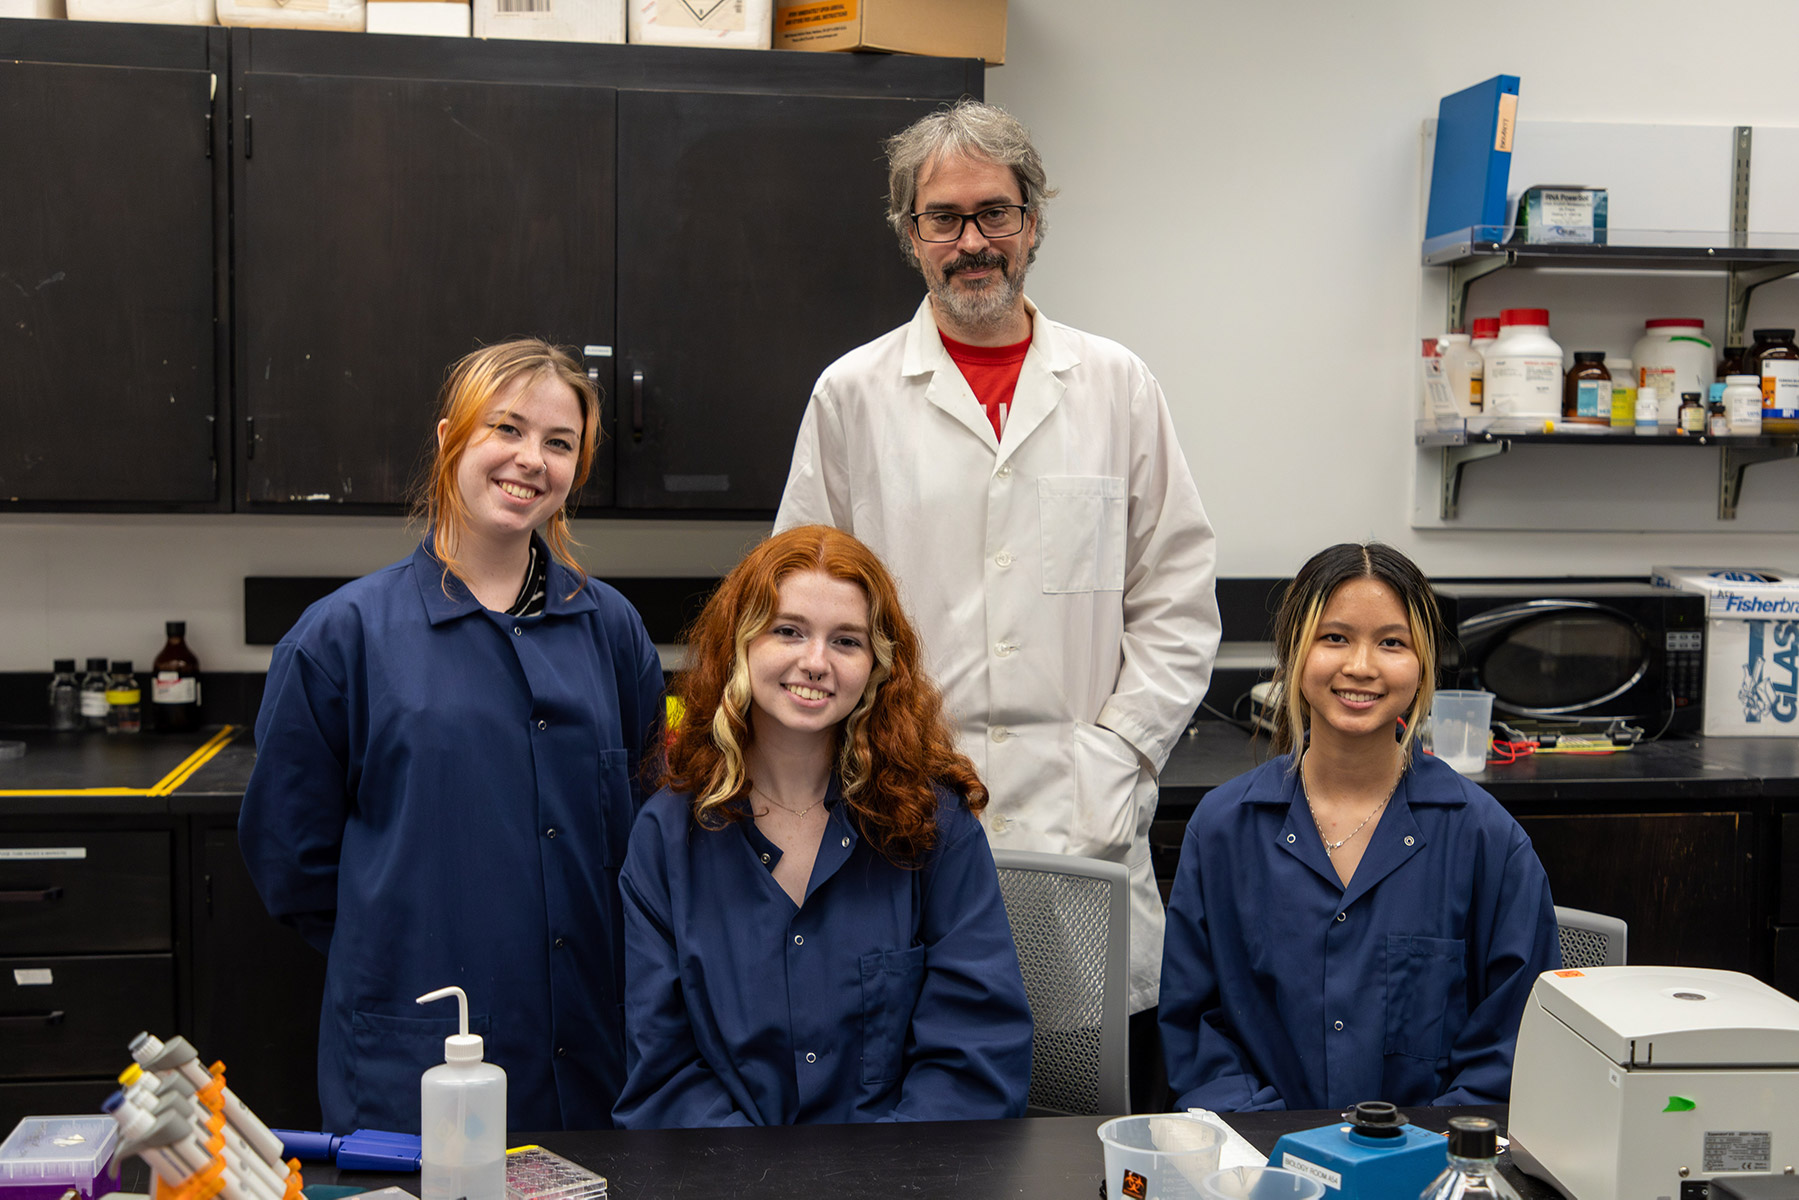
{"x": 389, "y": 1056}
{"x": 617, "y": 809}
{"x": 1083, "y": 532}
{"x": 1108, "y": 786}
{"x": 1427, "y": 986}
{"x": 891, "y": 983}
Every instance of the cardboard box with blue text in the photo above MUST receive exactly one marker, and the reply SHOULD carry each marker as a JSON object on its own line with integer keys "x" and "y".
{"x": 1751, "y": 647}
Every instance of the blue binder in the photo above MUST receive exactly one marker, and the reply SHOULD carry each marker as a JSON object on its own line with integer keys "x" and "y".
{"x": 1473, "y": 162}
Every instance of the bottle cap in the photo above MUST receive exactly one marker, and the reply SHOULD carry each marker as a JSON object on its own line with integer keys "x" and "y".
{"x": 64, "y": 666}
{"x": 1589, "y": 356}
{"x": 1742, "y": 381}
{"x": 1524, "y": 316}
{"x": 1686, "y": 396}
{"x": 1486, "y": 327}
{"x": 176, "y": 629}
{"x": 1772, "y": 335}
{"x": 97, "y": 664}
{"x": 462, "y": 1046}
{"x": 121, "y": 666}
{"x": 1473, "y": 1137}
{"x": 1676, "y": 323}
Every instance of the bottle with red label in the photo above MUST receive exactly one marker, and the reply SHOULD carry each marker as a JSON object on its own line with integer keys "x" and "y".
{"x": 175, "y": 683}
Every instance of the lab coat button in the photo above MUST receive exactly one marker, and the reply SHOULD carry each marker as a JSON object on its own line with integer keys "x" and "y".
{"x": 551, "y": 832}
{"x": 765, "y": 858}
{"x": 1409, "y": 839}
{"x": 562, "y": 1052}
{"x": 1291, "y": 839}
{"x": 1003, "y": 649}
{"x": 1338, "y": 1026}
{"x": 560, "y": 943}
{"x": 543, "y": 724}
{"x": 999, "y": 733}
{"x": 846, "y": 843}
{"x": 811, "y": 1057}
{"x": 1341, "y": 916}
{"x": 1000, "y": 821}
{"x": 1005, "y": 472}
{"x": 517, "y": 631}
{"x": 1003, "y": 558}
{"x": 799, "y": 939}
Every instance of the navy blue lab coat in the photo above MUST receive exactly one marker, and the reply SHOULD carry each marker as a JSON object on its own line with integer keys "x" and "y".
{"x": 1281, "y": 988}
{"x": 891, "y": 994}
{"x": 442, "y": 795}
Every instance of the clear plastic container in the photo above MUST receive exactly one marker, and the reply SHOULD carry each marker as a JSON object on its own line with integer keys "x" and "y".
{"x": 462, "y": 1118}
{"x": 1674, "y": 357}
{"x": 533, "y": 1173}
{"x": 58, "y": 1152}
{"x": 1523, "y": 377}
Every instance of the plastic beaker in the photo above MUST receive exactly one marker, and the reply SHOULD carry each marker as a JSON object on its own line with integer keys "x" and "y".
{"x": 1460, "y": 729}
{"x": 1260, "y": 1183}
{"x": 1163, "y": 1156}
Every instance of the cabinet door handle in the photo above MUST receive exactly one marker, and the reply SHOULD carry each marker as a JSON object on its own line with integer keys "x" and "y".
{"x": 637, "y": 405}
{"x": 50, "y": 1018}
{"x": 38, "y": 896}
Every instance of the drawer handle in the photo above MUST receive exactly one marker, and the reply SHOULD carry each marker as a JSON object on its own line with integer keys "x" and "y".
{"x": 39, "y": 896}
{"x": 49, "y": 1018}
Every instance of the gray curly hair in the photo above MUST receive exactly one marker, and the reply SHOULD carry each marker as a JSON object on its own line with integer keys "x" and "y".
{"x": 972, "y": 128}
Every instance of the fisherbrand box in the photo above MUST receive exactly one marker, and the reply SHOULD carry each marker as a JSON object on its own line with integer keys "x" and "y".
{"x": 1751, "y": 647}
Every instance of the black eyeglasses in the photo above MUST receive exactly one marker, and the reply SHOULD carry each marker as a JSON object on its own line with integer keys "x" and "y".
{"x": 1002, "y": 220}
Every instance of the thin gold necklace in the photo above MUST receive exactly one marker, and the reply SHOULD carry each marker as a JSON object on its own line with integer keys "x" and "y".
{"x": 798, "y": 812}
{"x": 1331, "y": 847}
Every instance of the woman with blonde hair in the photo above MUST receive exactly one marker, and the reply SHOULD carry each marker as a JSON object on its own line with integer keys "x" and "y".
{"x": 813, "y": 926}
{"x": 447, "y": 770}
{"x": 1352, "y": 920}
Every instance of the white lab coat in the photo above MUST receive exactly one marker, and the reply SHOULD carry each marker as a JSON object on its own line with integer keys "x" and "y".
{"x": 1061, "y": 579}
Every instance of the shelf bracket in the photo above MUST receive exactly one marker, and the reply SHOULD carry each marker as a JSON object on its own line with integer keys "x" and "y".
{"x": 1464, "y": 273}
{"x": 1454, "y": 459}
{"x": 1744, "y": 281}
{"x": 1734, "y": 462}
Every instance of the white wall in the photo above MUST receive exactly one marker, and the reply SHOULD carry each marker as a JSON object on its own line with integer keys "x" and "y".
{"x": 1241, "y": 206}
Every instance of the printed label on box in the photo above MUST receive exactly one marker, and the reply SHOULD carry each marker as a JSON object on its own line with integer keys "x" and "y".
{"x": 40, "y": 853}
{"x": 723, "y": 15}
{"x": 1770, "y": 687}
{"x": 795, "y": 17}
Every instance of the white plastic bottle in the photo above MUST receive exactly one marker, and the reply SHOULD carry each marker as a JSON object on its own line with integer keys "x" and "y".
{"x": 1523, "y": 392}
{"x": 1743, "y": 404}
{"x": 1464, "y": 367}
{"x": 1674, "y": 357}
{"x": 462, "y": 1118}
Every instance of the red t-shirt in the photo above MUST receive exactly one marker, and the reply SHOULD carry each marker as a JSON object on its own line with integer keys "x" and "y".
{"x": 992, "y": 374}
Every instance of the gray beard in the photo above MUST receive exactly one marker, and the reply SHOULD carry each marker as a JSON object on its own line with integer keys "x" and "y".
{"x": 980, "y": 312}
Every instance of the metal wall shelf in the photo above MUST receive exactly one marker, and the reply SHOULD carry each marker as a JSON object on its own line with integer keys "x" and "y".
{"x": 1735, "y": 455}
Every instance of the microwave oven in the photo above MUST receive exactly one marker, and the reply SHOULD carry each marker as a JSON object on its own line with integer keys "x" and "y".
{"x": 1579, "y": 652}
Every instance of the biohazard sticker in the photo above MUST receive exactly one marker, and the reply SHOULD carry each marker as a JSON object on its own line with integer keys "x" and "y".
{"x": 1135, "y": 1186}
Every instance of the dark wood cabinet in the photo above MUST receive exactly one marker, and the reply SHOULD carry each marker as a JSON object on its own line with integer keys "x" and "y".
{"x": 111, "y": 272}
{"x": 1685, "y": 882}
{"x": 753, "y": 251}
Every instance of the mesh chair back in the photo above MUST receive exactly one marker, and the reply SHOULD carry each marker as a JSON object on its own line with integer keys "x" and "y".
{"x": 1070, "y": 922}
{"x": 1590, "y": 939}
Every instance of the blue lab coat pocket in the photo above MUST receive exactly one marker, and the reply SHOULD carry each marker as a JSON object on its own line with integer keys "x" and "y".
{"x": 390, "y": 1053}
{"x": 618, "y": 808}
{"x": 1427, "y": 982}
{"x": 891, "y": 983}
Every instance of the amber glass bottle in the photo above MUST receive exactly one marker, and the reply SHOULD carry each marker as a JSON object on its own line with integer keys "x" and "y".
{"x": 1587, "y": 390}
{"x": 175, "y": 683}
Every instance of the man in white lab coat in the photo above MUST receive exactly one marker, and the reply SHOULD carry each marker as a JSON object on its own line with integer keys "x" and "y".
{"x": 1023, "y": 481}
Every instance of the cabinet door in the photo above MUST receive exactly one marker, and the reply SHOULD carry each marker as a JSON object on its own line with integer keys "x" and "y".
{"x": 257, "y": 989}
{"x": 1683, "y": 882}
{"x": 753, "y": 251}
{"x": 385, "y": 228}
{"x": 106, "y": 286}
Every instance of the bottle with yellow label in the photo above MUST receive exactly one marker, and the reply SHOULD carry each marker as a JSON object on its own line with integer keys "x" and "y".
{"x": 124, "y": 701}
{"x": 1776, "y": 360}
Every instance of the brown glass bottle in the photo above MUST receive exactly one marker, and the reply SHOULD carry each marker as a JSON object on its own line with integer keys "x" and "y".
{"x": 1776, "y": 359}
{"x": 1587, "y": 390}
{"x": 175, "y": 683}
{"x": 1734, "y": 361}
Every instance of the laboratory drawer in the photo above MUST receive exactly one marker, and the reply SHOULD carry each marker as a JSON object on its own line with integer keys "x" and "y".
{"x": 77, "y": 1016}
{"x": 85, "y": 893}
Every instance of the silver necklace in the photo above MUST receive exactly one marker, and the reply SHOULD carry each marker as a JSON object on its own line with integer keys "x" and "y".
{"x": 1331, "y": 847}
{"x": 798, "y": 812}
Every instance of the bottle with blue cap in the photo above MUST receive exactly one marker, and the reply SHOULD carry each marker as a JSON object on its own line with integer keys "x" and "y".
{"x": 462, "y": 1118}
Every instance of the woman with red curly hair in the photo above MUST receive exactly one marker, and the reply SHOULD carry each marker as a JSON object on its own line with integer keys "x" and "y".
{"x": 813, "y": 925}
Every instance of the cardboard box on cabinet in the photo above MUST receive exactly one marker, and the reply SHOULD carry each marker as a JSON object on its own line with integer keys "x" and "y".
{"x": 726, "y": 24}
{"x": 944, "y": 28}
{"x": 1751, "y": 647}
{"x": 346, "y": 15}
{"x": 551, "y": 20}
{"x": 149, "y": 12}
{"x": 430, "y": 18}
